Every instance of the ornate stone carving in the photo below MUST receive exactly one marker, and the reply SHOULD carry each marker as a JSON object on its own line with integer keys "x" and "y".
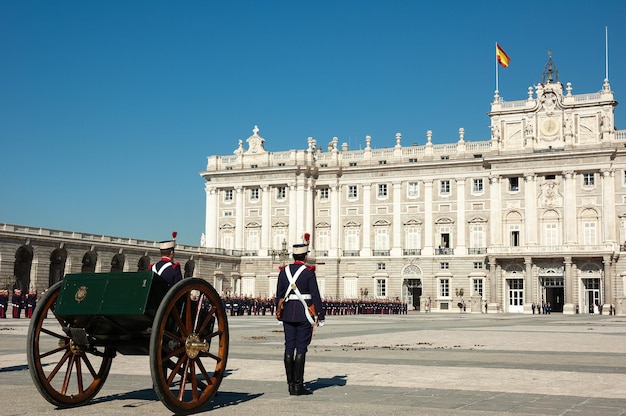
{"x": 550, "y": 196}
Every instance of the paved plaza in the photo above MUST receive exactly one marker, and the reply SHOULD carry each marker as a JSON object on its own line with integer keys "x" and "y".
{"x": 415, "y": 364}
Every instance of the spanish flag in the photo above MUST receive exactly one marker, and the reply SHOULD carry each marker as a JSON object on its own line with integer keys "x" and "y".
{"x": 502, "y": 57}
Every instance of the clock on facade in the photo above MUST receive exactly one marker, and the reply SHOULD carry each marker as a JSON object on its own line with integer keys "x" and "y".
{"x": 550, "y": 126}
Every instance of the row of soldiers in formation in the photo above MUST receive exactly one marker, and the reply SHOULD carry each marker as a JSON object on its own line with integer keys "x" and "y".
{"x": 239, "y": 306}
{"x": 19, "y": 302}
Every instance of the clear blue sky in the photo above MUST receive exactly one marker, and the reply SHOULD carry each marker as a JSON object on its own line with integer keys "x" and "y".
{"x": 109, "y": 109}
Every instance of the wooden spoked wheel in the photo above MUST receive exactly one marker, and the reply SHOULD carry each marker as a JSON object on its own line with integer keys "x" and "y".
{"x": 189, "y": 346}
{"x": 65, "y": 373}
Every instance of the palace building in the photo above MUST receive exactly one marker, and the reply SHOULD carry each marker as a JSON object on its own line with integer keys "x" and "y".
{"x": 536, "y": 214}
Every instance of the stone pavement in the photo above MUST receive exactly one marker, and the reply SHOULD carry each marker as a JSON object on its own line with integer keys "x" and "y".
{"x": 416, "y": 364}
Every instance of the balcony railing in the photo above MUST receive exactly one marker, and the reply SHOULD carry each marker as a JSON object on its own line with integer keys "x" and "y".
{"x": 351, "y": 253}
{"x": 412, "y": 251}
{"x": 381, "y": 252}
{"x": 321, "y": 253}
{"x": 444, "y": 251}
{"x": 553, "y": 250}
{"x": 481, "y": 250}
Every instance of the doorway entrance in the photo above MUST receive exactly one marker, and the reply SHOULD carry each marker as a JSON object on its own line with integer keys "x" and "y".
{"x": 553, "y": 292}
{"x": 592, "y": 295}
{"x": 412, "y": 289}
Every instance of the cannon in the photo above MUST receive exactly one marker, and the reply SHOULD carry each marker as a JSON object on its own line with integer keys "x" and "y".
{"x": 83, "y": 321}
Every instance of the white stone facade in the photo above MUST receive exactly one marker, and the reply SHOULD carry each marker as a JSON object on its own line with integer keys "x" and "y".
{"x": 535, "y": 214}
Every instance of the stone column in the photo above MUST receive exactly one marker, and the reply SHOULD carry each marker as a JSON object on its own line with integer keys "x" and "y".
{"x": 495, "y": 212}
{"x": 570, "y": 219}
{"x": 301, "y": 210}
{"x": 528, "y": 285}
{"x": 366, "y": 235}
{"x": 293, "y": 216}
{"x": 531, "y": 223}
{"x": 428, "y": 218}
{"x": 334, "y": 220}
{"x": 396, "y": 248}
{"x": 460, "y": 244}
{"x": 493, "y": 293}
{"x": 568, "y": 302}
{"x": 608, "y": 284}
{"x": 266, "y": 221}
{"x": 240, "y": 215}
{"x": 309, "y": 216}
{"x": 608, "y": 206}
{"x": 211, "y": 216}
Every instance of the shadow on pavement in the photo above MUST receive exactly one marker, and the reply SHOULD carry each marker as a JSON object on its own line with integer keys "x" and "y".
{"x": 322, "y": 383}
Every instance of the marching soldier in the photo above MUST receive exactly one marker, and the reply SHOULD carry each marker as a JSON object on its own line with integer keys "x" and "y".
{"x": 31, "y": 302}
{"x": 16, "y": 300}
{"x": 166, "y": 268}
{"x": 4, "y": 303}
{"x": 297, "y": 285}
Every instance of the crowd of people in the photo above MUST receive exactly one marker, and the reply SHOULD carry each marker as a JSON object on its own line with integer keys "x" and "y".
{"x": 244, "y": 305}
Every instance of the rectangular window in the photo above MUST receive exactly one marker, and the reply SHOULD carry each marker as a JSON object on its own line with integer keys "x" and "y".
{"x": 382, "y": 190}
{"x": 514, "y": 238}
{"x": 281, "y": 192}
{"x": 323, "y": 239}
{"x": 381, "y": 239}
{"x": 444, "y": 288}
{"x": 381, "y": 288}
{"x": 412, "y": 238}
{"x": 252, "y": 240}
{"x": 444, "y": 187}
{"x": 324, "y": 192}
{"x": 478, "y": 287}
{"x": 352, "y": 239}
{"x": 228, "y": 213}
{"x": 254, "y": 194}
{"x": 514, "y": 232}
{"x": 514, "y": 184}
{"x": 444, "y": 265}
{"x": 445, "y": 157}
{"x": 589, "y": 233}
{"x": 228, "y": 195}
{"x": 280, "y": 237}
{"x": 413, "y": 190}
{"x": 352, "y": 164}
{"x": 381, "y": 266}
{"x": 478, "y": 265}
{"x": 353, "y": 192}
{"x": 477, "y": 236}
{"x": 228, "y": 240}
{"x": 551, "y": 234}
{"x": 588, "y": 179}
{"x": 516, "y": 292}
{"x": 382, "y": 162}
{"x": 412, "y": 160}
{"x": 477, "y": 186}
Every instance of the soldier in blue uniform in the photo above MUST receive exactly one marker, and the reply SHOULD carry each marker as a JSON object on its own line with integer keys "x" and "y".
{"x": 4, "y": 303}
{"x": 166, "y": 267}
{"x": 298, "y": 322}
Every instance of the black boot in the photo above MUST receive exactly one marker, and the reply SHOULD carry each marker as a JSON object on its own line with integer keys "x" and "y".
{"x": 298, "y": 376}
{"x": 289, "y": 371}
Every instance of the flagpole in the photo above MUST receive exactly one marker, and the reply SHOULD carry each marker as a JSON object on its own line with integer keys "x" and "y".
{"x": 606, "y": 52}
{"x": 496, "y": 56}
